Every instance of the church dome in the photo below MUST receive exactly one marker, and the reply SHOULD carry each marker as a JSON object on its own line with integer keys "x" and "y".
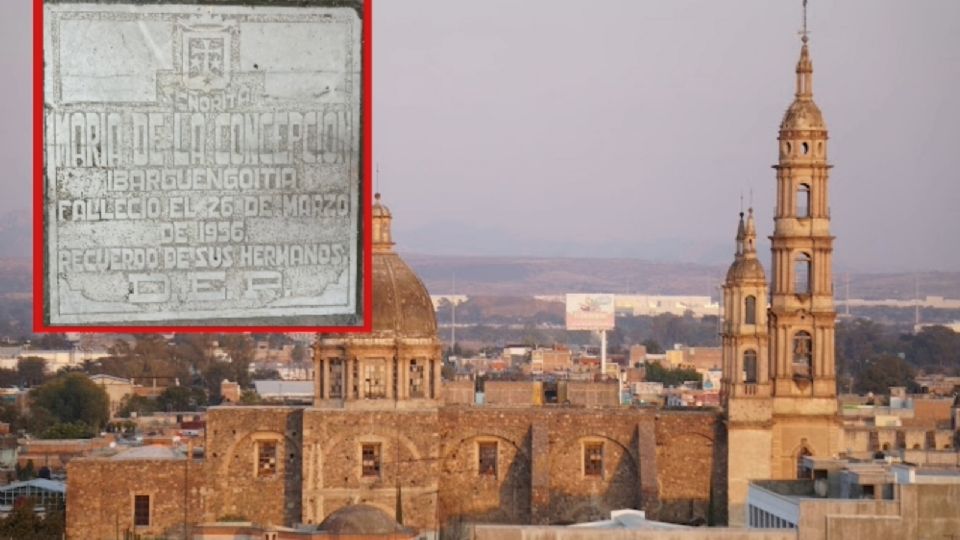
{"x": 361, "y": 519}
{"x": 401, "y": 304}
{"x": 803, "y": 115}
{"x": 746, "y": 269}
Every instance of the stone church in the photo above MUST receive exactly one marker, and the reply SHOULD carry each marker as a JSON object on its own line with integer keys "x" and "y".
{"x": 380, "y": 433}
{"x": 383, "y": 432}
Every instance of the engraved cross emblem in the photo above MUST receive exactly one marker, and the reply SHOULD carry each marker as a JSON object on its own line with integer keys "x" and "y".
{"x": 205, "y": 57}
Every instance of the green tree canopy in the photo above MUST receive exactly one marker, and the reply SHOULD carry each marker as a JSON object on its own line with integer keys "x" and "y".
{"x": 73, "y": 397}
{"x": 656, "y": 372}
{"x": 32, "y": 370}
{"x": 883, "y": 372}
{"x": 181, "y": 398}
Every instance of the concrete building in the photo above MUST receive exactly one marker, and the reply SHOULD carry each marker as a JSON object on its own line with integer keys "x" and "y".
{"x": 844, "y": 499}
{"x": 545, "y": 361}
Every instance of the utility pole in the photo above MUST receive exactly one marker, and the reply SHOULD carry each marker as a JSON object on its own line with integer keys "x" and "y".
{"x": 453, "y": 315}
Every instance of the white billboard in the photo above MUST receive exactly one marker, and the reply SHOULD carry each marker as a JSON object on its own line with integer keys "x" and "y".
{"x": 590, "y": 312}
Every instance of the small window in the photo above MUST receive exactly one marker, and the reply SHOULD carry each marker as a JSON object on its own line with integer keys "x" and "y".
{"x": 593, "y": 459}
{"x": 487, "y": 458}
{"x": 750, "y": 367}
{"x": 266, "y": 458}
{"x": 801, "y": 278}
{"x": 802, "y": 354}
{"x": 374, "y": 379}
{"x": 803, "y": 201}
{"x": 416, "y": 378}
{"x": 370, "y": 460}
{"x": 141, "y": 510}
{"x": 803, "y": 472}
{"x": 805, "y": 148}
{"x": 750, "y": 310}
{"x": 336, "y": 379}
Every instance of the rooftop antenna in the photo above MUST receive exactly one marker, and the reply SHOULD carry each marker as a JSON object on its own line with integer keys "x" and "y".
{"x": 916, "y": 302}
{"x": 453, "y": 315}
{"x": 378, "y": 178}
{"x": 741, "y": 203}
{"x": 847, "y": 305}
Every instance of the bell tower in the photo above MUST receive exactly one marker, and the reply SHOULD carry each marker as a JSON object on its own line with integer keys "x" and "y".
{"x": 746, "y": 383}
{"x": 802, "y": 314}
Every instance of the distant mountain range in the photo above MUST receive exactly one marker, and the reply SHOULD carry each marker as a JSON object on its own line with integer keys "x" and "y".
{"x": 526, "y": 276}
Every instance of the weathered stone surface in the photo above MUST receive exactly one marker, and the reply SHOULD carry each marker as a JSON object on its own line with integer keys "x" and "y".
{"x": 662, "y": 462}
{"x": 201, "y": 164}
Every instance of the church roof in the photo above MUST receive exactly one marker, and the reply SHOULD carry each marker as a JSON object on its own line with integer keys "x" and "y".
{"x": 401, "y": 303}
{"x": 803, "y": 114}
{"x": 746, "y": 270}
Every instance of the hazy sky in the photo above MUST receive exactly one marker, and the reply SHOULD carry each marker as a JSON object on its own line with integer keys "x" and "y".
{"x": 629, "y": 128}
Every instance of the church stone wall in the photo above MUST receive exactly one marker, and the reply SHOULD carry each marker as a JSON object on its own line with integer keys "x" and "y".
{"x": 233, "y": 434}
{"x": 664, "y": 462}
{"x": 691, "y": 467}
{"x": 101, "y": 495}
{"x": 408, "y": 444}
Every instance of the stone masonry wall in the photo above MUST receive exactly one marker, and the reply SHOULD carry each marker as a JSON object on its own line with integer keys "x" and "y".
{"x": 408, "y": 443}
{"x": 668, "y": 463}
{"x": 101, "y": 491}
{"x": 236, "y": 489}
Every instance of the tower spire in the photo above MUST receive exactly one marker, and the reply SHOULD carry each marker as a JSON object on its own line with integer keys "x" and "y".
{"x": 741, "y": 237}
{"x": 804, "y": 32}
{"x": 750, "y": 236}
{"x": 804, "y": 66}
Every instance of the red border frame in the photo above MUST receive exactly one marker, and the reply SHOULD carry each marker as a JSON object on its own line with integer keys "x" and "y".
{"x": 366, "y": 200}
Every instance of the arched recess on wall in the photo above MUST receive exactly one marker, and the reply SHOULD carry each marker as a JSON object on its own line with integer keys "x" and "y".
{"x": 455, "y": 450}
{"x": 289, "y": 447}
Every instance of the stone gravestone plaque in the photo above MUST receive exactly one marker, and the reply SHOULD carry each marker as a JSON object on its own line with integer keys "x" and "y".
{"x": 201, "y": 164}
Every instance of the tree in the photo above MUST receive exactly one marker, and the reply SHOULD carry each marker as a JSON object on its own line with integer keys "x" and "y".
{"x": 181, "y": 398}
{"x": 241, "y": 349}
{"x": 883, "y": 372}
{"x": 9, "y": 378}
{"x": 656, "y": 372}
{"x": 213, "y": 376}
{"x": 934, "y": 348}
{"x": 23, "y": 522}
{"x": 68, "y": 430}
{"x": 140, "y": 405}
{"x": 32, "y": 370}
{"x": 265, "y": 374}
{"x": 24, "y": 473}
{"x": 51, "y": 341}
{"x": 652, "y": 346}
{"x": 74, "y": 398}
{"x": 299, "y": 353}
